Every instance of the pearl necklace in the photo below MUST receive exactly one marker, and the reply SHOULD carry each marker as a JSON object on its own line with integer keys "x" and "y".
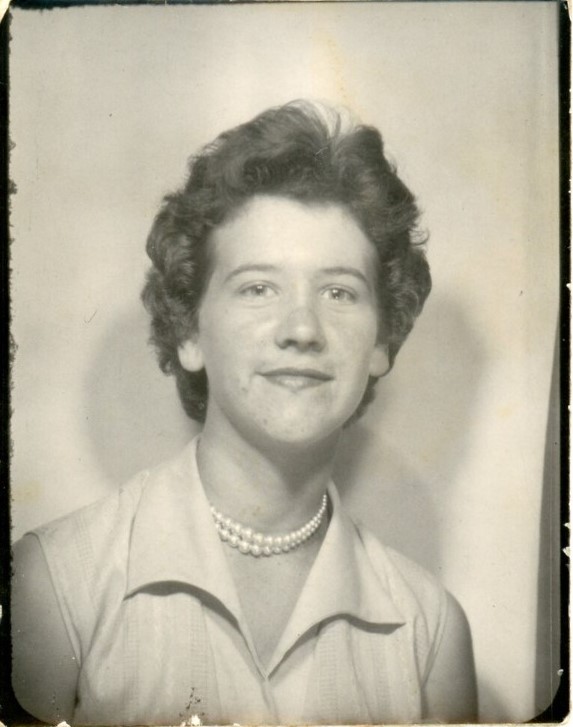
{"x": 249, "y": 542}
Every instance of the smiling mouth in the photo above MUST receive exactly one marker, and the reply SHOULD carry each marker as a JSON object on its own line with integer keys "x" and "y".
{"x": 297, "y": 379}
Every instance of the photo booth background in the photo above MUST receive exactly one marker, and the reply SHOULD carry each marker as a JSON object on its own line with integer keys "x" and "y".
{"x": 107, "y": 104}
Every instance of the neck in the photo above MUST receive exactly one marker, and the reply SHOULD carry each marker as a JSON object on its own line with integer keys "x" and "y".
{"x": 272, "y": 489}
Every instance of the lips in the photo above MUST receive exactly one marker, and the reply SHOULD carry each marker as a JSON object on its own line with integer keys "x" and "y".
{"x": 297, "y": 378}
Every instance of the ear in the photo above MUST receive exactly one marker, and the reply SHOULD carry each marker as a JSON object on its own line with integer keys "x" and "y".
{"x": 190, "y": 355}
{"x": 379, "y": 360}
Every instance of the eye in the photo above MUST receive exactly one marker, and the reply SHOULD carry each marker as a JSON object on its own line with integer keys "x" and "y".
{"x": 340, "y": 294}
{"x": 257, "y": 291}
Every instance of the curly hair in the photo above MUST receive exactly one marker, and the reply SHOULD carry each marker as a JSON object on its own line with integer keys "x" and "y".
{"x": 303, "y": 152}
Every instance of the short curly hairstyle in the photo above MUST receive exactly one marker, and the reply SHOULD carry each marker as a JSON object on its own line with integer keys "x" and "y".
{"x": 305, "y": 152}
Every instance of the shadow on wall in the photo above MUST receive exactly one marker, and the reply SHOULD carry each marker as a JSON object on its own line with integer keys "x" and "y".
{"x": 425, "y": 406}
{"x": 134, "y": 416}
{"x": 394, "y": 503}
{"x": 492, "y": 702}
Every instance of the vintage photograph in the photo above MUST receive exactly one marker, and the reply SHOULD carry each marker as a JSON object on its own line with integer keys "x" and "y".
{"x": 285, "y": 304}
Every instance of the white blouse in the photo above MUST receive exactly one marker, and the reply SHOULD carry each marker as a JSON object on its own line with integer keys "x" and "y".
{"x": 156, "y": 627}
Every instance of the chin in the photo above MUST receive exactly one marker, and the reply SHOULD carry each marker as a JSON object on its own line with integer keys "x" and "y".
{"x": 300, "y": 435}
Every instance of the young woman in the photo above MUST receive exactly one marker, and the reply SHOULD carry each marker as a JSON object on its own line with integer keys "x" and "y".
{"x": 229, "y": 583}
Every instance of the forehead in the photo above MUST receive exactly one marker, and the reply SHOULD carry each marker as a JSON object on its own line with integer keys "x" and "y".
{"x": 290, "y": 234}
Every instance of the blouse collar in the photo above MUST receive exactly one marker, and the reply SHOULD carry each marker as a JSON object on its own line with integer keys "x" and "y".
{"x": 174, "y": 540}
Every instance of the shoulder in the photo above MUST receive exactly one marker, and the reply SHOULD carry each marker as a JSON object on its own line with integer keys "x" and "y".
{"x": 76, "y": 554}
{"x": 418, "y": 596}
{"x": 57, "y": 570}
{"x": 81, "y": 561}
{"x": 79, "y": 535}
{"x": 439, "y": 631}
{"x": 414, "y": 587}
{"x": 103, "y": 528}
{"x": 86, "y": 553}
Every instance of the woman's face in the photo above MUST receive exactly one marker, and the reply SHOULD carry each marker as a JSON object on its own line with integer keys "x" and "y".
{"x": 288, "y": 326}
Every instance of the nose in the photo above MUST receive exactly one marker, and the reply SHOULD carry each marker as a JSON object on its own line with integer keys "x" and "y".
{"x": 301, "y": 328}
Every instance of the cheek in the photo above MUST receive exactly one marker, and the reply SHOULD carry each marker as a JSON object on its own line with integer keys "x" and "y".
{"x": 229, "y": 359}
{"x": 220, "y": 337}
{"x": 361, "y": 339}
{"x": 362, "y": 361}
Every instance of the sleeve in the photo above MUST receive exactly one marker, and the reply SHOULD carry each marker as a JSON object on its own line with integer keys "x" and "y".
{"x": 45, "y": 665}
{"x": 450, "y": 693}
{"x": 437, "y": 630}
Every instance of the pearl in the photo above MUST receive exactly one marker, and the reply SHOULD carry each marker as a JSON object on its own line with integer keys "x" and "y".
{"x": 250, "y": 542}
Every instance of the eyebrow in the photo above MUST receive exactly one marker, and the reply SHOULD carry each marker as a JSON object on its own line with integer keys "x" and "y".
{"x": 342, "y": 270}
{"x": 262, "y": 268}
{"x": 251, "y": 268}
